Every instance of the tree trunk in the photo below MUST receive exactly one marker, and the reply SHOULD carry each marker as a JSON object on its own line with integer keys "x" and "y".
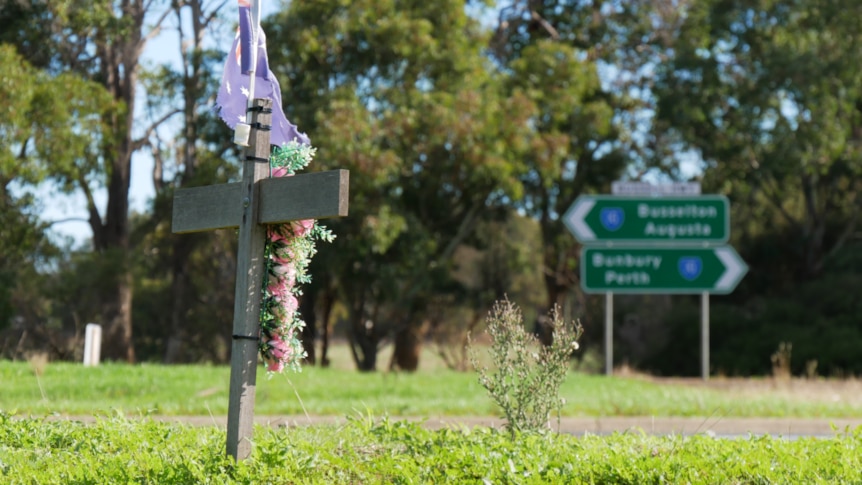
{"x": 193, "y": 84}
{"x": 364, "y": 342}
{"x": 363, "y": 346}
{"x": 176, "y": 341}
{"x": 118, "y": 52}
{"x": 557, "y": 284}
{"x": 408, "y": 347}
{"x": 327, "y": 303}
{"x": 117, "y": 314}
{"x": 309, "y": 332}
{"x": 114, "y": 238}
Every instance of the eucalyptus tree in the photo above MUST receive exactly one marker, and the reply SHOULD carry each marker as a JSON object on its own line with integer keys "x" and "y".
{"x": 43, "y": 118}
{"x": 401, "y": 94}
{"x": 101, "y": 42}
{"x": 577, "y": 64}
{"x": 769, "y": 94}
{"x": 196, "y": 150}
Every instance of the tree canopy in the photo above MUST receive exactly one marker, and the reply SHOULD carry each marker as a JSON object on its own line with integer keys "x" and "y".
{"x": 469, "y": 128}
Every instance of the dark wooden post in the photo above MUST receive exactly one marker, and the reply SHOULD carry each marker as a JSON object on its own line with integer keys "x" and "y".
{"x": 250, "y": 268}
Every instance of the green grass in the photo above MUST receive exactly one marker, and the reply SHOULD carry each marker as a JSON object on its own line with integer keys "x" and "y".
{"x": 145, "y": 452}
{"x": 202, "y": 390}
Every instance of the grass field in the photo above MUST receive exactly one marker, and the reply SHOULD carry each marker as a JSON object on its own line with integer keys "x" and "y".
{"x": 71, "y": 389}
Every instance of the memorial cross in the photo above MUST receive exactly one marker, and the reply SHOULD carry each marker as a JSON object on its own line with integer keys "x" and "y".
{"x": 249, "y": 205}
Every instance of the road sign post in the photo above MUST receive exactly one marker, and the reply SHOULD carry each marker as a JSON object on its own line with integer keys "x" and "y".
{"x": 704, "y": 335}
{"x": 655, "y": 239}
{"x": 609, "y": 334}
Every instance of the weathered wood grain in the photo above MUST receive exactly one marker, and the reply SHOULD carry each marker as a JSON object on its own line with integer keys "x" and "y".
{"x": 309, "y": 196}
{"x": 317, "y": 195}
{"x": 206, "y": 208}
{"x": 250, "y": 268}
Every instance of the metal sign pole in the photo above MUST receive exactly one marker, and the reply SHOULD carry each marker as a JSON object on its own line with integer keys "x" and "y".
{"x": 609, "y": 334}
{"x": 704, "y": 335}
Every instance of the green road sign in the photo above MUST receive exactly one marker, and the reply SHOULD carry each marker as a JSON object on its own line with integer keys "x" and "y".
{"x": 661, "y": 270}
{"x": 604, "y": 218}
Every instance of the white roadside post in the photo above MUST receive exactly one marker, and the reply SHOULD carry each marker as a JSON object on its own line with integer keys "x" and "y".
{"x": 92, "y": 344}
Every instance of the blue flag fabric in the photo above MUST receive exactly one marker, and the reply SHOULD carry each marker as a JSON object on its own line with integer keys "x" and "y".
{"x": 232, "y": 99}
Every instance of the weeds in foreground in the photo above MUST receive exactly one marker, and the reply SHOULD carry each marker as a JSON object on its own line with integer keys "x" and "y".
{"x": 373, "y": 451}
{"x": 38, "y": 363}
{"x": 526, "y": 379}
{"x": 781, "y": 362}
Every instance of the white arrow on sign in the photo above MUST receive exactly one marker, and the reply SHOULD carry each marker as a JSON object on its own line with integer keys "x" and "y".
{"x": 734, "y": 266}
{"x": 574, "y": 219}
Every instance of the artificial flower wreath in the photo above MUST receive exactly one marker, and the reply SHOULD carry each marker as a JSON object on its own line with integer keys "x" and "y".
{"x": 289, "y": 248}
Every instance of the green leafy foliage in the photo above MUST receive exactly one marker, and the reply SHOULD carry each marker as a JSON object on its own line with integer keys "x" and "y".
{"x": 575, "y": 141}
{"x": 765, "y": 92}
{"x": 49, "y": 125}
{"x": 403, "y": 96}
{"x": 817, "y": 319}
{"x": 115, "y": 450}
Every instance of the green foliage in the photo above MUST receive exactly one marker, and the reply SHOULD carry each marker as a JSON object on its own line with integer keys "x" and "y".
{"x": 24, "y": 246}
{"x": 408, "y": 102}
{"x": 817, "y": 318}
{"x": 110, "y": 451}
{"x": 547, "y": 54}
{"x": 525, "y": 381}
{"x": 767, "y": 95}
{"x": 115, "y": 450}
{"x": 49, "y": 125}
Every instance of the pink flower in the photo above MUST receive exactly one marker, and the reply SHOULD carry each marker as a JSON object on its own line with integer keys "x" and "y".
{"x": 291, "y": 303}
{"x": 274, "y": 235}
{"x": 279, "y": 349}
{"x": 282, "y": 255}
{"x": 275, "y": 366}
{"x": 279, "y": 172}
{"x": 286, "y": 278}
{"x": 278, "y": 289}
{"x": 300, "y": 228}
{"x": 277, "y": 343}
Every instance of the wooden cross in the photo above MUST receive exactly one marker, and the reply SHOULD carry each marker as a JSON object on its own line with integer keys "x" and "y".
{"x": 248, "y": 205}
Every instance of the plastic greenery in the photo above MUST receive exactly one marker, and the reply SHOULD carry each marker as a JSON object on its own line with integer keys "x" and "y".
{"x": 289, "y": 248}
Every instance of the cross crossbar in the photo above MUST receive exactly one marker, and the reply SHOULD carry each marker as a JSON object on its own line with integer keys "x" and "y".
{"x": 309, "y": 196}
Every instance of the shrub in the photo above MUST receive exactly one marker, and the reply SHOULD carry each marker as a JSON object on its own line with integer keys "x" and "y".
{"x": 525, "y": 380}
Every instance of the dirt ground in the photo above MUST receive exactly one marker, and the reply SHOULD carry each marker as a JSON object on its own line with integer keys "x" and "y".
{"x": 848, "y": 391}
{"x": 712, "y": 425}
{"x": 720, "y": 426}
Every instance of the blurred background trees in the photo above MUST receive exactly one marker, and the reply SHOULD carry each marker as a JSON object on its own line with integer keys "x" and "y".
{"x": 469, "y": 128}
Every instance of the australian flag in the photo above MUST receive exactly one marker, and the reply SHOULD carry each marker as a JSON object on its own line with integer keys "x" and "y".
{"x": 232, "y": 99}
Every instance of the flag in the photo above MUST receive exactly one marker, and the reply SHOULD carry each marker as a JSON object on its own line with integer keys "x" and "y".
{"x": 232, "y": 99}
